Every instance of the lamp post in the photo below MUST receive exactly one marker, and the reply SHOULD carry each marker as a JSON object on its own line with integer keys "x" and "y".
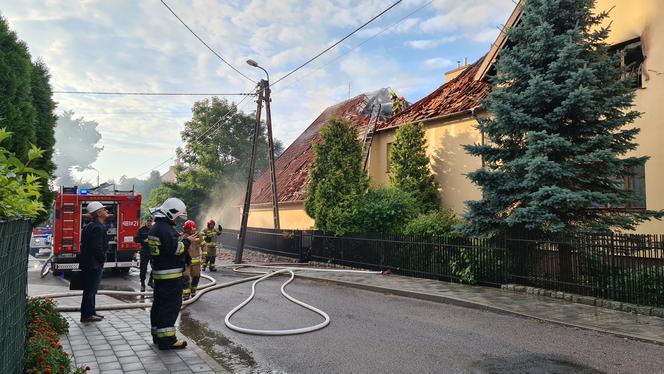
{"x": 268, "y": 123}
{"x": 263, "y": 94}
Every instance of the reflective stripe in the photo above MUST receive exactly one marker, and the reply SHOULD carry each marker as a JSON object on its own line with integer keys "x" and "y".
{"x": 167, "y": 271}
{"x": 195, "y": 260}
{"x": 166, "y": 276}
{"x": 166, "y": 331}
{"x": 180, "y": 249}
{"x": 186, "y": 291}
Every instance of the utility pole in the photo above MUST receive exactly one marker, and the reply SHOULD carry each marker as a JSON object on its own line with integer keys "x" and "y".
{"x": 273, "y": 172}
{"x": 250, "y": 178}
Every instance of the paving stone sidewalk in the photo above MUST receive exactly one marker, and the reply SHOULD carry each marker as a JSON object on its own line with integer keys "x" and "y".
{"x": 122, "y": 343}
{"x": 635, "y": 326}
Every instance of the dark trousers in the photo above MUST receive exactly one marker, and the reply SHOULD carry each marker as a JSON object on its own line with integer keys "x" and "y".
{"x": 167, "y": 300}
{"x": 91, "y": 279}
{"x": 145, "y": 260}
{"x": 210, "y": 260}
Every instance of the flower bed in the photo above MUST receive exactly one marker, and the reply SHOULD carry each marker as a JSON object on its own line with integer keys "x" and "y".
{"x": 44, "y": 353}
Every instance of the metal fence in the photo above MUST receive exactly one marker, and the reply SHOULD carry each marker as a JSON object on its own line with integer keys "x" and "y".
{"x": 623, "y": 267}
{"x": 14, "y": 247}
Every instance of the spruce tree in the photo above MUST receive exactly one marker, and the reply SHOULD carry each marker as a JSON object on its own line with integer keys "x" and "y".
{"x": 338, "y": 181}
{"x": 409, "y": 167}
{"x": 558, "y": 134}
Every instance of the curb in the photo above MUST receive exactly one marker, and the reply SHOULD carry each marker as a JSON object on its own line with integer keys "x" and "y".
{"x": 481, "y": 306}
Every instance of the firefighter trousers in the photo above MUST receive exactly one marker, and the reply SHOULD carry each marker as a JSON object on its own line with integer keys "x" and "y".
{"x": 145, "y": 260}
{"x": 167, "y": 300}
{"x": 210, "y": 258}
{"x": 192, "y": 275}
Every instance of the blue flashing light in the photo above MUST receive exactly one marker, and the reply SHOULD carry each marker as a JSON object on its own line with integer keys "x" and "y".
{"x": 83, "y": 191}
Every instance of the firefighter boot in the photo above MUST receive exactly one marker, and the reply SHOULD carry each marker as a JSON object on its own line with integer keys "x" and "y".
{"x": 193, "y": 291}
{"x": 186, "y": 293}
{"x": 179, "y": 344}
{"x": 142, "y": 286}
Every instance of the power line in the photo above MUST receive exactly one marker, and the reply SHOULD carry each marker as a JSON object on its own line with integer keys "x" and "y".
{"x": 205, "y": 44}
{"x": 150, "y": 93}
{"x": 337, "y": 43}
{"x": 198, "y": 139}
{"x": 362, "y": 43}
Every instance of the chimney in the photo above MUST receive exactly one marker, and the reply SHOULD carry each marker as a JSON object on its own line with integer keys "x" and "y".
{"x": 449, "y": 75}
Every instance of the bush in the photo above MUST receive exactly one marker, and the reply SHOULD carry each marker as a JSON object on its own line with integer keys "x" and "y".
{"x": 439, "y": 223}
{"x": 471, "y": 266}
{"x": 44, "y": 353}
{"x": 640, "y": 286}
{"x": 19, "y": 184}
{"x": 386, "y": 210}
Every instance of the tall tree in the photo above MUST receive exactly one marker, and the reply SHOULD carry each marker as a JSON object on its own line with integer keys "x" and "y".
{"x": 42, "y": 99}
{"x": 17, "y": 113}
{"x": 558, "y": 135}
{"x": 409, "y": 167}
{"x": 75, "y": 147}
{"x": 338, "y": 182}
{"x": 216, "y": 155}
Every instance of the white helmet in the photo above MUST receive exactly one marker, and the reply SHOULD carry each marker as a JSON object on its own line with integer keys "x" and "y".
{"x": 172, "y": 208}
{"x": 94, "y": 206}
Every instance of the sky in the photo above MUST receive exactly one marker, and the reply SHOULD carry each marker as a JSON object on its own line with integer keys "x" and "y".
{"x": 139, "y": 46}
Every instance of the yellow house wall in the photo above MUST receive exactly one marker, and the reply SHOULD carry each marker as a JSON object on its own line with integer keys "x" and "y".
{"x": 643, "y": 18}
{"x": 449, "y": 161}
{"x": 291, "y": 217}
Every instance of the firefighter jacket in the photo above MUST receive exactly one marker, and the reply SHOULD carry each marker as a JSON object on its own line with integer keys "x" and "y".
{"x": 209, "y": 237}
{"x": 166, "y": 250}
{"x": 192, "y": 245}
{"x": 94, "y": 245}
{"x": 142, "y": 238}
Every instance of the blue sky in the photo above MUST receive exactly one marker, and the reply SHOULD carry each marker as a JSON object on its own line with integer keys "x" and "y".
{"x": 127, "y": 45}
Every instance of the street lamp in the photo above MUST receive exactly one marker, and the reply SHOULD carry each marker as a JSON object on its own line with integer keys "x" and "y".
{"x": 263, "y": 95}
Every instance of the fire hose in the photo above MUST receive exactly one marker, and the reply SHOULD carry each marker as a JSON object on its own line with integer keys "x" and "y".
{"x": 213, "y": 286}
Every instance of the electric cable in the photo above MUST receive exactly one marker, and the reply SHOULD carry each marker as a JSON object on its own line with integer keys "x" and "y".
{"x": 205, "y": 44}
{"x": 120, "y": 93}
{"x": 335, "y": 44}
{"x": 360, "y": 44}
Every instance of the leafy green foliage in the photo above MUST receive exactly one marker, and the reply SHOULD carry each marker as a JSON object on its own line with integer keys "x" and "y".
{"x": 557, "y": 140}
{"x": 19, "y": 183}
{"x": 158, "y": 195}
{"x": 216, "y": 156}
{"x": 140, "y": 186}
{"x": 75, "y": 147}
{"x": 409, "y": 167}
{"x": 338, "y": 181}
{"x": 437, "y": 223}
{"x": 385, "y": 210}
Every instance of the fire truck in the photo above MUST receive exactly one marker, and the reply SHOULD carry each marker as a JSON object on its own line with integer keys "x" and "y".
{"x": 70, "y": 215}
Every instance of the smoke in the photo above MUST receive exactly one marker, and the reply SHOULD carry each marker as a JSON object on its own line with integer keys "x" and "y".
{"x": 75, "y": 147}
{"x": 224, "y": 206}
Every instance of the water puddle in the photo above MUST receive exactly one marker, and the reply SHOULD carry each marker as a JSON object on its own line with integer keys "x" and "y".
{"x": 532, "y": 363}
{"x": 229, "y": 355}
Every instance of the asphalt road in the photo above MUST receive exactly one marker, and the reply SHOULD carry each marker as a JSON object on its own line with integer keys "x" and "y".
{"x": 374, "y": 332}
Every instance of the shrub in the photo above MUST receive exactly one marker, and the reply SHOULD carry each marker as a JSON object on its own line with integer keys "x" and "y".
{"x": 44, "y": 353}
{"x": 439, "y": 223}
{"x": 19, "y": 184}
{"x": 386, "y": 210}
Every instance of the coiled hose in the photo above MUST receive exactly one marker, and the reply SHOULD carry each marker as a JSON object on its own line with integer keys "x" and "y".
{"x": 213, "y": 286}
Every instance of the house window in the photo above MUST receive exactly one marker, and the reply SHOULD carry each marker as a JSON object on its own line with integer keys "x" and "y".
{"x": 387, "y": 153}
{"x": 635, "y": 182}
{"x": 631, "y": 61}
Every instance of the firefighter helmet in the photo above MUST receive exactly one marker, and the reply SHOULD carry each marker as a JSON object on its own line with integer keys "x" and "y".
{"x": 94, "y": 206}
{"x": 210, "y": 223}
{"x": 190, "y": 226}
{"x": 172, "y": 208}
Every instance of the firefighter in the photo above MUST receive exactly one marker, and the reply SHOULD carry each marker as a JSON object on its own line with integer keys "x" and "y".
{"x": 193, "y": 250}
{"x": 167, "y": 254}
{"x": 142, "y": 238}
{"x": 209, "y": 243}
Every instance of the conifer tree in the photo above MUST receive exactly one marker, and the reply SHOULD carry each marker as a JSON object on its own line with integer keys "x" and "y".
{"x": 558, "y": 136}
{"x": 409, "y": 167}
{"x": 338, "y": 181}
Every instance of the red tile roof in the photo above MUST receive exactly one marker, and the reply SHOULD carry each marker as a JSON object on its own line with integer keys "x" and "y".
{"x": 292, "y": 167}
{"x": 457, "y": 96}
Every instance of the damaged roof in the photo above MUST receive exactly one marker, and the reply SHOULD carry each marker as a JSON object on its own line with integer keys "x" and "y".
{"x": 458, "y": 96}
{"x": 292, "y": 166}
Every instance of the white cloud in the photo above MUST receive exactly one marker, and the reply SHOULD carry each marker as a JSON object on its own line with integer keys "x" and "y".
{"x": 438, "y": 63}
{"x": 429, "y": 43}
